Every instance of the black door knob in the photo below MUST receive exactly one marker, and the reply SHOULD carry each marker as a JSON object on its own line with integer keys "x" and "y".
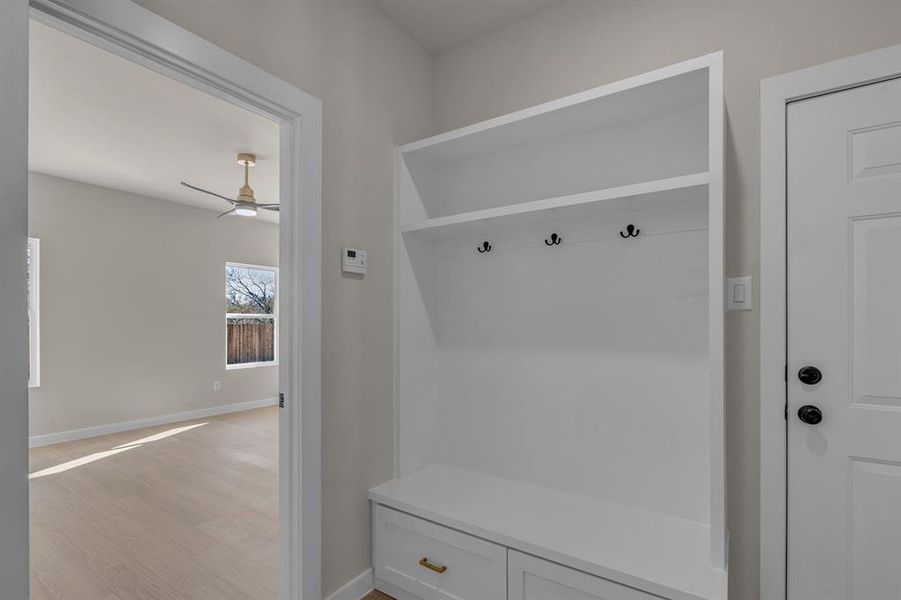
{"x": 810, "y": 414}
{"x": 810, "y": 375}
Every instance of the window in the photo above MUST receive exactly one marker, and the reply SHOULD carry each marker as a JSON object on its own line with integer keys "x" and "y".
{"x": 251, "y": 314}
{"x": 33, "y": 303}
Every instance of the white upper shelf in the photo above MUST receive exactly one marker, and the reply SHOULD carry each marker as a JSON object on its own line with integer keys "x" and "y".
{"x": 640, "y": 195}
{"x": 626, "y": 101}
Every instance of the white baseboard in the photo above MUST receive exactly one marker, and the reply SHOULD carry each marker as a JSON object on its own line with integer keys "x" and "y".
{"x": 88, "y": 432}
{"x": 354, "y": 589}
{"x": 392, "y": 590}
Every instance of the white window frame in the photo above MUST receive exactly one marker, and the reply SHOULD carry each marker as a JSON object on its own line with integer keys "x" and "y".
{"x": 34, "y": 314}
{"x": 273, "y": 317}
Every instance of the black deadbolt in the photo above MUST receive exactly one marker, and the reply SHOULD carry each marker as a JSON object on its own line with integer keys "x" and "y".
{"x": 810, "y": 414}
{"x": 810, "y": 375}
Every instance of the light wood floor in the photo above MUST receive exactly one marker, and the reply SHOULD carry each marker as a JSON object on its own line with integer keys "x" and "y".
{"x": 186, "y": 511}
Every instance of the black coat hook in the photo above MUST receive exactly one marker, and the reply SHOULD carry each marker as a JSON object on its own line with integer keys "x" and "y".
{"x": 554, "y": 241}
{"x": 631, "y": 231}
{"x": 485, "y": 247}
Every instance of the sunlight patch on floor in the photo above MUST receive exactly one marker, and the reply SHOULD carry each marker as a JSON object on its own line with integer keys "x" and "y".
{"x": 162, "y": 435}
{"x": 84, "y": 460}
{"x": 66, "y": 466}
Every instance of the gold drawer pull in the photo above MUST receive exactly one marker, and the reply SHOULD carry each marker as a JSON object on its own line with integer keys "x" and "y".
{"x": 424, "y": 562}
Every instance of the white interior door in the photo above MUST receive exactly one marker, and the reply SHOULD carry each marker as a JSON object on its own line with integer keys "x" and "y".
{"x": 844, "y": 320}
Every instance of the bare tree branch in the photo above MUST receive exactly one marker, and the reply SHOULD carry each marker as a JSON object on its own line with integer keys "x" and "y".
{"x": 249, "y": 290}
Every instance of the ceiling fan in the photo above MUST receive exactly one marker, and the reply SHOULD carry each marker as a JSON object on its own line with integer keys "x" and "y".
{"x": 245, "y": 205}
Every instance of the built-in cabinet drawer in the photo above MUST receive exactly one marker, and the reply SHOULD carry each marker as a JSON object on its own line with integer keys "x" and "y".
{"x": 535, "y": 579}
{"x": 433, "y": 562}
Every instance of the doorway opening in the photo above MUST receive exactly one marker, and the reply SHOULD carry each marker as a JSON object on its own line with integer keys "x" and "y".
{"x": 133, "y": 33}
{"x": 153, "y": 271}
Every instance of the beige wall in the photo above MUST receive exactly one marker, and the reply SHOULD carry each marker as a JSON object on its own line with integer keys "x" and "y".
{"x": 378, "y": 89}
{"x": 133, "y": 304}
{"x": 375, "y": 84}
{"x": 585, "y": 43}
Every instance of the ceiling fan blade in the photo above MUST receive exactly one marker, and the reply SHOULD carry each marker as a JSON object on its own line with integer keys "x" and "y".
{"x": 194, "y": 187}
{"x": 273, "y": 207}
{"x": 266, "y": 205}
{"x": 228, "y": 212}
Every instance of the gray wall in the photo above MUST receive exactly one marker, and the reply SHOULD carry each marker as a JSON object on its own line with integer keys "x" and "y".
{"x": 585, "y": 43}
{"x": 132, "y": 305}
{"x": 375, "y": 84}
{"x": 13, "y": 331}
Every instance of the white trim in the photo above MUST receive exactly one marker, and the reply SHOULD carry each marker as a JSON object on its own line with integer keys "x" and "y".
{"x": 354, "y": 589}
{"x": 201, "y": 413}
{"x": 232, "y": 263}
{"x": 553, "y": 205}
{"x": 34, "y": 314}
{"x": 716, "y": 318}
{"x": 139, "y": 35}
{"x": 392, "y": 590}
{"x": 775, "y": 94}
{"x": 395, "y": 329}
{"x": 255, "y": 365}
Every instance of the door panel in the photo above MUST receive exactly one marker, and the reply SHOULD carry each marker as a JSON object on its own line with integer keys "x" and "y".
{"x": 876, "y": 289}
{"x": 876, "y": 151}
{"x": 876, "y": 495}
{"x": 844, "y": 317}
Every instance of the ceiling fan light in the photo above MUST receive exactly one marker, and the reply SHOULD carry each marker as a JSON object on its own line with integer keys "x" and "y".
{"x": 246, "y": 211}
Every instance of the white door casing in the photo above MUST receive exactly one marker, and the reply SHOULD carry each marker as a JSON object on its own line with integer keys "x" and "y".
{"x": 844, "y": 317}
{"x": 136, "y": 34}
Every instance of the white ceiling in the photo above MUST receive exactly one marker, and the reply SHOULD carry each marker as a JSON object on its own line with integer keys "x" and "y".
{"x": 98, "y": 118}
{"x": 440, "y": 25}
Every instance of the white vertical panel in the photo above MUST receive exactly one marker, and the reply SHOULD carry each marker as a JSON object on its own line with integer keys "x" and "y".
{"x": 716, "y": 326}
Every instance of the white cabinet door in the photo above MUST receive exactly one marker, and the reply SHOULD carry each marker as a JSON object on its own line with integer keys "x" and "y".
{"x": 532, "y": 578}
{"x": 844, "y": 328}
{"x": 434, "y": 562}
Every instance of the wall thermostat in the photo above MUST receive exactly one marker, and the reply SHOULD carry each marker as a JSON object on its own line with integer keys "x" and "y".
{"x": 353, "y": 260}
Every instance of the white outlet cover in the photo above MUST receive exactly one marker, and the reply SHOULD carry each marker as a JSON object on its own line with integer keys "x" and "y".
{"x": 217, "y": 386}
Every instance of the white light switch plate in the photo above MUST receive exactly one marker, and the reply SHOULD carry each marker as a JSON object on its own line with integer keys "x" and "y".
{"x": 739, "y": 293}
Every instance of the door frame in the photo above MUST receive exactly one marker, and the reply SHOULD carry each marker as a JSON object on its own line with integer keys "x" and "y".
{"x": 775, "y": 95}
{"x": 139, "y": 35}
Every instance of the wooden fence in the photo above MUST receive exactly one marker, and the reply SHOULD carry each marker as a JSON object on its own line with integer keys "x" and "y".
{"x": 250, "y": 341}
